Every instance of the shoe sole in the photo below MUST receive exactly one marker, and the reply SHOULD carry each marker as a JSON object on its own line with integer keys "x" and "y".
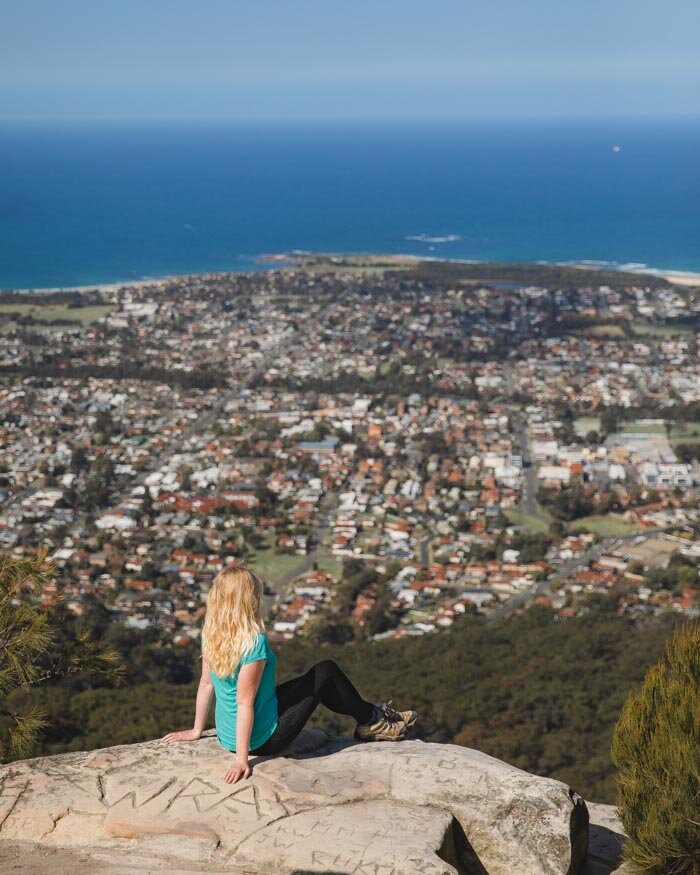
{"x": 398, "y": 738}
{"x": 379, "y": 738}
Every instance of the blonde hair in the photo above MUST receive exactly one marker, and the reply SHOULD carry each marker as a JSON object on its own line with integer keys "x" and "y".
{"x": 232, "y": 619}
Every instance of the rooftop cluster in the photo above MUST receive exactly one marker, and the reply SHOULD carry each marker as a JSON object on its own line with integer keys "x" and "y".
{"x": 390, "y": 448}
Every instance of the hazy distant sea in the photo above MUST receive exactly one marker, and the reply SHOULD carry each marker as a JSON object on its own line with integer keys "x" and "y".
{"x": 83, "y": 204}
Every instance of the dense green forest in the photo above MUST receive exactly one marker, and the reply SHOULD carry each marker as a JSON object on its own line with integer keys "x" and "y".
{"x": 537, "y": 691}
{"x": 528, "y": 273}
{"x": 548, "y": 275}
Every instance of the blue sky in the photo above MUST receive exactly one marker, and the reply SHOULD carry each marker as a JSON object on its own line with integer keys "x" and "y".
{"x": 323, "y": 59}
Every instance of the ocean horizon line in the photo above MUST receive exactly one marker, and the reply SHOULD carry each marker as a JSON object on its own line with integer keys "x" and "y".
{"x": 555, "y": 119}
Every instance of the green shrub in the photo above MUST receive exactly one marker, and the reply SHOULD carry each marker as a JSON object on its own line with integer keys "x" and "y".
{"x": 32, "y": 652}
{"x": 656, "y": 747}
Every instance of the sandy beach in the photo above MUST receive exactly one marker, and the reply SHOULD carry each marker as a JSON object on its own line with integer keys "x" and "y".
{"x": 683, "y": 279}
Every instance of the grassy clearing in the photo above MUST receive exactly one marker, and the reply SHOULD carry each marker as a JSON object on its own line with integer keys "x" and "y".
{"x": 605, "y": 526}
{"x": 369, "y": 264}
{"x": 535, "y": 523}
{"x": 585, "y": 424}
{"x": 56, "y": 312}
{"x": 641, "y": 428}
{"x": 331, "y": 564}
{"x": 685, "y": 433}
{"x": 642, "y": 329}
{"x": 274, "y": 566}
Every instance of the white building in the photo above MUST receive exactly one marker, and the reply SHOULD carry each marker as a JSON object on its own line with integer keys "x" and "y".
{"x": 554, "y": 472}
{"x": 617, "y": 472}
{"x": 669, "y": 475}
{"x": 544, "y": 450}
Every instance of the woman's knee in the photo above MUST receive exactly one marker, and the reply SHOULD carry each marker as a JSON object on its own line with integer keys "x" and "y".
{"x": 326, "y": 668}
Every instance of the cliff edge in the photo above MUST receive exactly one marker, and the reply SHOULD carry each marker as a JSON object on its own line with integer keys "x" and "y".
{"x": 329, "y": 806}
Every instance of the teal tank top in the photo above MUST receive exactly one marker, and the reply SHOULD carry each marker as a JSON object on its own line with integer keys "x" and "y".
{"x": 265, "y": 711}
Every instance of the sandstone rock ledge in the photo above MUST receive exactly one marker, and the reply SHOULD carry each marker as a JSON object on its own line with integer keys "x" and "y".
{"x": 329, "y": 806}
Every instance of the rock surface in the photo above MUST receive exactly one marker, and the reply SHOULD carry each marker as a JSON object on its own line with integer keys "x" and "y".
{"x": 328, "y": 806}
{"x": 606, "y": 837}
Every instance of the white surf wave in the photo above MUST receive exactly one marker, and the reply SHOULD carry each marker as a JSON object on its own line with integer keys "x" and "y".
{"x": 427, "y": 238}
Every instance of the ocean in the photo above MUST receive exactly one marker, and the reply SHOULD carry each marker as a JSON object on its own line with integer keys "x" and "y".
{"x": 95, "y": 203}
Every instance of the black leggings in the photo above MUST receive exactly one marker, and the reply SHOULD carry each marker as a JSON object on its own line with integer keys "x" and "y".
{"x": 297, "y": 699}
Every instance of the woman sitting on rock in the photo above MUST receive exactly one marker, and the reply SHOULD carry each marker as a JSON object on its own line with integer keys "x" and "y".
{"x": 253, "y": 716}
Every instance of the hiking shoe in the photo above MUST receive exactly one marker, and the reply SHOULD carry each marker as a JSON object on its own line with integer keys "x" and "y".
{"x": 389, "y": 726}
{"x": 408, "y": 717}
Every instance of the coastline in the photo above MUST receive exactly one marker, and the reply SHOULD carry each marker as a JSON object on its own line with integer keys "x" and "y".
{"x": 217, "y": 196}
{"x": 681, "y": 278}
{"x": 291, "y": 260}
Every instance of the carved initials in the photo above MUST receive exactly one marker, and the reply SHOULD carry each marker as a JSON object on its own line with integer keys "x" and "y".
{"x": 236, "y": 797}
{"x": 209, "y": 790}
{"x": 132, "y": 795}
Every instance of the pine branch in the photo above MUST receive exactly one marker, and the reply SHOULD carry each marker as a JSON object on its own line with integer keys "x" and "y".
{"x": 26, "y": 636}
{"x": 96, "y": 657}
{"x": 22, "y": 737}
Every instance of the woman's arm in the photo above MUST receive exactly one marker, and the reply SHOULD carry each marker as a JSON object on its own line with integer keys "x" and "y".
{"x": 204, "y": 693}
{"x": 248, "y": 682}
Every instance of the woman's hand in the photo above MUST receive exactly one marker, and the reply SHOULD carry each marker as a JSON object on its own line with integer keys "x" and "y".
{"x": 240, "y": 769}
{"x": 184, "y": 735}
